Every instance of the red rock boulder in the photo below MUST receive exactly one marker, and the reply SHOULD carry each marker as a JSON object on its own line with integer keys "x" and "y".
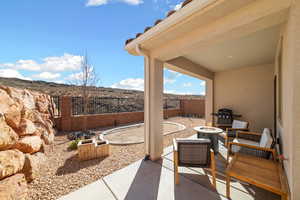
{"x": 11, "y": 162}
{"x": 8, "y": 137}
{"x": 14, "y": 188}
{"x": 29, "y": 144}
{"x": 32, "y": 165}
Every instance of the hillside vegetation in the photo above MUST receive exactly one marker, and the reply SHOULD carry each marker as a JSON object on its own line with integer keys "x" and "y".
{"x": 56, "y": 89}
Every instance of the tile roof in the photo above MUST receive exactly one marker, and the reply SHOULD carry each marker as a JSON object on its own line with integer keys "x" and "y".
{"x": 171, "y": 12}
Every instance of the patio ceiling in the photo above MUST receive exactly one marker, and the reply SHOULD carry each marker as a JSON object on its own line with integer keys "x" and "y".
{"x": 251, "y": 50}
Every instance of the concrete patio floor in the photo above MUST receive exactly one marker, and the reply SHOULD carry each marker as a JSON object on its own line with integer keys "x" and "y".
{"x": 150, "y": 180}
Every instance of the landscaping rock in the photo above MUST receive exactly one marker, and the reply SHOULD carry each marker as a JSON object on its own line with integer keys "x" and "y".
{"x": 14, "y": 188}
{"x": 29, "y": 144}
{"x": 27, "y": 127}
{"x": 8, "y": 137}
{"x": 11, "y": 162}
{"x": 10, "y": 109}
{"x": 32, "y": 165}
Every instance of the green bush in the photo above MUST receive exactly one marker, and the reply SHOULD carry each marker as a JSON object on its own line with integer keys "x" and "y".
{"x": 73, "y": 145}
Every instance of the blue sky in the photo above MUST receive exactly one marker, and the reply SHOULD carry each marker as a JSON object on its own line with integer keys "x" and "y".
{"x": 44, "y": 40}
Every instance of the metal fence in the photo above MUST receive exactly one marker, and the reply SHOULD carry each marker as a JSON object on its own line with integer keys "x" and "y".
{"x": 101, "y": 105}
{"x": 56, "y": 100}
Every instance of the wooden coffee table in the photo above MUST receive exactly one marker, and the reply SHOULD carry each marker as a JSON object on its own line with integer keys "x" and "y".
{"x": 263, "y": 173}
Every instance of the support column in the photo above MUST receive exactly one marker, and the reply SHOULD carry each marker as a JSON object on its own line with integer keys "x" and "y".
{"x": 209, "y": 101}
{"x": 153, "y": 108}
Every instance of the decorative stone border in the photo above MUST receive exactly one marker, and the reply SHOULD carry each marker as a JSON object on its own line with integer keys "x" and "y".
{"x": 114, "y": 130}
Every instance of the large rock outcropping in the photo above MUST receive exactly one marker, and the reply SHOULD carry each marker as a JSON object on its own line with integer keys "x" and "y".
{"x": 26, "y": 125}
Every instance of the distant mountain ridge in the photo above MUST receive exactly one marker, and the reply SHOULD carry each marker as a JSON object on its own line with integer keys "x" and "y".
{"x": 57, "y": 89}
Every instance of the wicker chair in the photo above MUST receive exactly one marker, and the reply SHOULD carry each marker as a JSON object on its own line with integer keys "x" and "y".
{"x": 252, "y": 143}
{"x": 230, "y": 133}
{"x": 193, "y": 153}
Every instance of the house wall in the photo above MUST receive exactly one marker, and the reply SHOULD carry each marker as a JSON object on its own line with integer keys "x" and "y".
{"x": 288, "y": 125}
{"x": 247, "y": 91}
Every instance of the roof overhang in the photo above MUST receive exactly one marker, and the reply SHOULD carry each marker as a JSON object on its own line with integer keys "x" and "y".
{"x": 201, "y": 23}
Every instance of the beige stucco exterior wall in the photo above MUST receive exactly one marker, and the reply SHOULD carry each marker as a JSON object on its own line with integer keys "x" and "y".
{"x": 289, "y": 125}
{"x": 247, "y": 91}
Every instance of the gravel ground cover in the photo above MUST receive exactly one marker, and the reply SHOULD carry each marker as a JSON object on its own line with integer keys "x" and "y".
{"x": 63, "y": 173}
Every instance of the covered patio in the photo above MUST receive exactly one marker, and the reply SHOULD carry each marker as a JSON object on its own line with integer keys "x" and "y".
{"x": 243, "y": 50}
{"x": 150, "y": 180}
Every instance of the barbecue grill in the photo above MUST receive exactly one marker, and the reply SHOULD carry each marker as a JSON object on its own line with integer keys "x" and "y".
{"x": 225, "y": 117}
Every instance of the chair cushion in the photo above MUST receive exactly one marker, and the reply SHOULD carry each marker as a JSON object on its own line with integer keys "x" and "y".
{"x": 193, "y": 152}
{"x": 236, "y": 148}
{"x": 266, "y": 139}
{"x": 239, "y": 124}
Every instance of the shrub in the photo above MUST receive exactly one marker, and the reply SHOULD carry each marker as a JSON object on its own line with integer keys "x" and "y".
{"x": 73, "y": 145}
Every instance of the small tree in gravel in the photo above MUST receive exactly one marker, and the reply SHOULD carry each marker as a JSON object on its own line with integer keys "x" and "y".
{"x": 85, "y": 80}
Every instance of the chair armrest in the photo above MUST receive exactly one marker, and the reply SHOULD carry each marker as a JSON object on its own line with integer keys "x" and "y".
{"x": 237, "y": 129}
{"x": 252, "y": 147}
{"x": 175, "y": 145}
{"x": 249, "y": 135}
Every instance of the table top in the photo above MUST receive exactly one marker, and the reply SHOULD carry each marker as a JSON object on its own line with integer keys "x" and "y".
{"x": 258, "y": 171}
{"x": 208, "y": 129}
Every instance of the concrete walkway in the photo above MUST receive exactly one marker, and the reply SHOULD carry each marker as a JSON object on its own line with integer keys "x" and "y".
{"x": 147, "y": 180}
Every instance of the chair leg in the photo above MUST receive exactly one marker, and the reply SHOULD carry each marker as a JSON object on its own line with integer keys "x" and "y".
{"x": 176, "y": 175}
{"x": 213, "y": 168}
{"x": 228, "y": 187}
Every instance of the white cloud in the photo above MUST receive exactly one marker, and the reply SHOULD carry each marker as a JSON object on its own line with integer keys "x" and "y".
{"x": 130, "y": 83}
{"x": 46, "y": 75}
{"x": 202, "y": 83}
{"x": 67, "y": 62}
{"x": 176, "y": 92}
{"x": 103, "y": 2}
{"x": 58, "y": 81}
{"x": 169, "y": 80}
{"x": 187, "y": 84}
{"x": 178, "y": 6}
{"x": 11, "y": 73}
{"x": 75, "y": 77}
{"x": 133, "y": 2}
{"x": 96, "y": 2}
{"x": 170, "y": 76}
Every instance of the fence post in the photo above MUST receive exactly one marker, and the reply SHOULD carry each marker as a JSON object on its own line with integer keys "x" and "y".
{"x": 182, "y": 111}
{"x": 66, "y": 104}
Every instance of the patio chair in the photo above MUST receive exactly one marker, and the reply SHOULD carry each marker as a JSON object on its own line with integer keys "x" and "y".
{"x": 252, "y": 143}
{"x": 193, "y": 153}
{"x": 230, "y": 133}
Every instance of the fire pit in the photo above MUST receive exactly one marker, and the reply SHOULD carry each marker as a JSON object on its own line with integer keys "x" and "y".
{"x": 92, "y": 149}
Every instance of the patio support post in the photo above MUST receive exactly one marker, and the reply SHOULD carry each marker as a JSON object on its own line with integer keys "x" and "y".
{"x": 153, "y": 107}
{"x": 209, "y": 101}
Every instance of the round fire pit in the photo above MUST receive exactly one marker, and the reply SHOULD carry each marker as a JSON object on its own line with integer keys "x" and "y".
{"x": 210, "y": 133}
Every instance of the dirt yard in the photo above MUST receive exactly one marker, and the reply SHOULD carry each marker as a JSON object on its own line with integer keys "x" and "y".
{"x": 63, "y": 173}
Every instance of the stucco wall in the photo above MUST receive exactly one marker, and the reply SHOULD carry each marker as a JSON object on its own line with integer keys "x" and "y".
{"x": 289, "y": 125}
{"x": 247, "y": 91}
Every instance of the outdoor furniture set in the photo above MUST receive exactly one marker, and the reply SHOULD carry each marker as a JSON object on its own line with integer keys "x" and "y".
{"x": 251, "y": 157}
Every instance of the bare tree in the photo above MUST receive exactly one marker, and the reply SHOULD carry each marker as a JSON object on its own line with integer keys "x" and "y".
{"x": 84, "y": 81}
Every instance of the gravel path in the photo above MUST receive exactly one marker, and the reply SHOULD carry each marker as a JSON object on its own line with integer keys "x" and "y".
{"x": 63, "y": 173}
